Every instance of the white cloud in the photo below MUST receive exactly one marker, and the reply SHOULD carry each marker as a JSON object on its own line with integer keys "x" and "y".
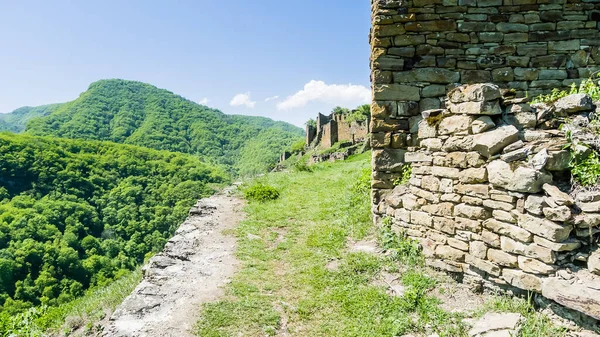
{"x": 337, "y": 94}
{"x": 271, "y": 98}
{"x": 204, "y": 101}
{"x": 243, "y": 99}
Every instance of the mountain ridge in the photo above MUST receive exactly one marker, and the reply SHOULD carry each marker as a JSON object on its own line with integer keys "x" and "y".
{"x": 137, "y": 113}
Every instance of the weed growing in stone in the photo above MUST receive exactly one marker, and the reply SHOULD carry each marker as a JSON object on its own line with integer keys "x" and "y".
{"x": 586, "y": 170}
{"x": 406, "y": 172}
{"x": 590, "y": 86}
{"x": 400, "y": 248}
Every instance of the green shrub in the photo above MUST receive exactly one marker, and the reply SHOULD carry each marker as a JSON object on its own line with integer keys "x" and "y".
{"x": 261, "y": 192}
{"x": 311, "y": 122}
{"x": 359, "y": 114}
{"x": 362, "y": 186}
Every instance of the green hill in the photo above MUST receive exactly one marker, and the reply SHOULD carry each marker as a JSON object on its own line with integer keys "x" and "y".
{"x": 137, "y": 113}
{"x": 76, "y": 214}
{"x": 16, "y": 120}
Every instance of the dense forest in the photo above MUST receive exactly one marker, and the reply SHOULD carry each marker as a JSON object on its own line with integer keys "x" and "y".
{"x": 140, "y": 114}
{"x": 76, "y": 214}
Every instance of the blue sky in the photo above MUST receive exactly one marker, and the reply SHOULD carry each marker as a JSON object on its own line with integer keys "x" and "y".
{"x": 233, "y": 55}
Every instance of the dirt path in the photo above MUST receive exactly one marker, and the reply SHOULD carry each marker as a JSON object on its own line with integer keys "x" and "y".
{"x": 191, "y": 270}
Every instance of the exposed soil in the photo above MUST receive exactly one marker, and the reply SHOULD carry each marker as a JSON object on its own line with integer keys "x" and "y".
{"x": 190, "y": 271}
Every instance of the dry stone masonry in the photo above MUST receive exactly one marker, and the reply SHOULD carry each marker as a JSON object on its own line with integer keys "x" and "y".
{"x": 486, "y": 198}
{"x": 419, "y": 47}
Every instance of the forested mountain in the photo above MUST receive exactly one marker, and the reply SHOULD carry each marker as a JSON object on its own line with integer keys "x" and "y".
{"x": 16, "y": 120}
{"x": 75, "y": 214}
{"x": 137, "y": 113}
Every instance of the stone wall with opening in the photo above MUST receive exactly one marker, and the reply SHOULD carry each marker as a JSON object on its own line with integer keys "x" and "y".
{"x": 486, "y": 198}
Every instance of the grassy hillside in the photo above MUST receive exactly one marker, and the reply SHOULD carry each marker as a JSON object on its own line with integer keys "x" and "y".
{"x": 77, "y": 214}
{"x": 17, "y": 120}
{"x": 137, "y": 113}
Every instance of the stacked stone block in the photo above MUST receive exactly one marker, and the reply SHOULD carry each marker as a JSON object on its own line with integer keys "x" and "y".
{"x": 528, "y": 45}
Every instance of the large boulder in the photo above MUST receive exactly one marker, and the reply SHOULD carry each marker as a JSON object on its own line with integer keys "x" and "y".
{"x": 482, "y": 124}
{"x": 492, "y": 142}
{"x": 544, "y": 228}
{"x": 455, "y": 124}
{"x": 559, "y": 197}
{"x": 517, "y": 178}
{"x": 573, "y": 104}
{"x": 388, "y": 159}
{"x": 558, "y": 160}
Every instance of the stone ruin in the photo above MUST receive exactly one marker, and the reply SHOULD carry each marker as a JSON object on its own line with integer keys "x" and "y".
{"x": 490, "y": 197}
{"x": 333, "y": 129}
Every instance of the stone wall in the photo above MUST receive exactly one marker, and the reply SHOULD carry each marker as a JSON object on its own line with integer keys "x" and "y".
{"x": 484, "y": 198}
{"x": 333, "y": 129}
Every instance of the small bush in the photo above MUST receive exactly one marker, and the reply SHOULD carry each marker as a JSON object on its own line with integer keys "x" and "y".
{"x": 416, "y": 294}
{"x": 362, "y": 186}
{"x": 261, "y": 192}
{"x": 311, "y": 122}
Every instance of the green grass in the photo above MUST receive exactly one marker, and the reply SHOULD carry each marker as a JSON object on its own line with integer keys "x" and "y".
{"x": 284, "y": 284}
{"x": 84, "y": 312}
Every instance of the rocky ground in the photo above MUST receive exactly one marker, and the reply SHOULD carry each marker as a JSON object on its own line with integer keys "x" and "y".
{"x": 191, "y": 270}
